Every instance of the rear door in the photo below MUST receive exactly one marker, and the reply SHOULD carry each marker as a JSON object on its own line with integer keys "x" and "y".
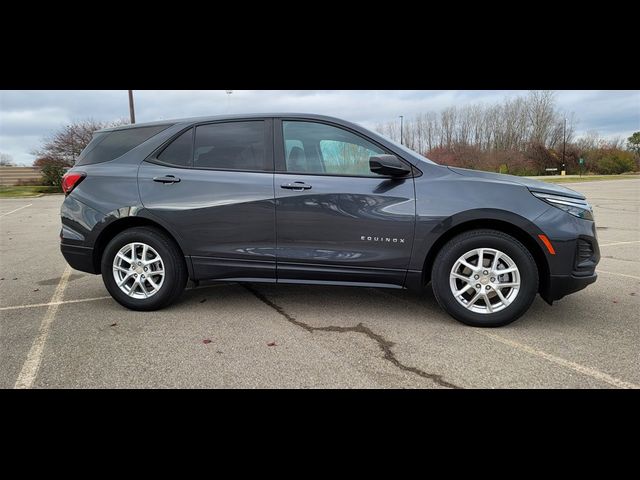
{"x": 336, "y": 220}
{"x": 213, "y": 186}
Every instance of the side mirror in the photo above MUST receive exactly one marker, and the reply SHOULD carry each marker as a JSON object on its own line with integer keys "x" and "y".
{"x": 388, "y": 165}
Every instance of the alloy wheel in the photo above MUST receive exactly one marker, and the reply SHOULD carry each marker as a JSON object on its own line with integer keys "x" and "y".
{"x": 138, "y": 270}
{"x": 485, "y": 280}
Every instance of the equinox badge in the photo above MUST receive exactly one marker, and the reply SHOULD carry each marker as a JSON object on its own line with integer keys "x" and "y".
{"x": 382, "y": 239}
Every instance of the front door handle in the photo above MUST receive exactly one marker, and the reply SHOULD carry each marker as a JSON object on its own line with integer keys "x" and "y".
{"x": 296, "y": 186}
{"x": 166, "y": 179}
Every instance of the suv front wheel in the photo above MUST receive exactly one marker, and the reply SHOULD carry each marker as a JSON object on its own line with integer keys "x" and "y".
{"x": 484, "y": 278}
{"x": 143, "y": 269}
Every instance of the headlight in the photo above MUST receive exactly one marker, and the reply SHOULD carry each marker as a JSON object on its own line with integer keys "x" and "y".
{"x": 574, "y": 206}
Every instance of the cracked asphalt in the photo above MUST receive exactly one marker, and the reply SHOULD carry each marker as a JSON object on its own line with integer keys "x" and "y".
{"x": 290, "y": 336}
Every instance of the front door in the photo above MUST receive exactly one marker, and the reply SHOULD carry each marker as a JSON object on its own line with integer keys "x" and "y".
{"x": 213, "y": 186}
{"x": 336, "y": 220}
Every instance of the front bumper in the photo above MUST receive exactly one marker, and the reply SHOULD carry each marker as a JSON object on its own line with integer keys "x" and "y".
{"x": 79, "y": 257}
{"x": 560, "y": 285}
{"x": 573, "y": 266}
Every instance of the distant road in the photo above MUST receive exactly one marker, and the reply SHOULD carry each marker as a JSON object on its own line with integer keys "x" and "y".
{"x": 583, "y": 178}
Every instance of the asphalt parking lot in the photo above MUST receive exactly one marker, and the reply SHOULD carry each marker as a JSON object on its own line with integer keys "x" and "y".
{"x": 59, "y": 328}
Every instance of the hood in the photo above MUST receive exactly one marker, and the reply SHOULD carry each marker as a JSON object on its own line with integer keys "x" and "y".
{"x": 533, "y": 185}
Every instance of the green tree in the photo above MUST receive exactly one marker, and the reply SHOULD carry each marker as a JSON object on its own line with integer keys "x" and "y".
{"x": 52, "y": 170}
{"x": 633, "y": 143}
{"x": 52, "y": 175}
{"x": 610, "y": 161}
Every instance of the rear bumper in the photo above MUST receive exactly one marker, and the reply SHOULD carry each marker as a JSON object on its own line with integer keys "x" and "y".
{"x": 561, "y": 285}
{"x": 78, "y": 257}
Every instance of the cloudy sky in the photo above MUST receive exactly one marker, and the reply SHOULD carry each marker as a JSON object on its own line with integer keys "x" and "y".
{"x": 27, "y": 116}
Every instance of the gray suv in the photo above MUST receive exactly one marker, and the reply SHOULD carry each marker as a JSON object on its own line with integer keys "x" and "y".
{"x": 309, "y": 199}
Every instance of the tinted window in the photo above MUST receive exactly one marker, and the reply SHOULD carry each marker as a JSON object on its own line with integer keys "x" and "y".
{"x": 107, "y": 146}
{"x": 289, "y": 144}
{"x": 231, "y": 146}
{"x": 319, "y": 148}
{"x": 180, "y": 151}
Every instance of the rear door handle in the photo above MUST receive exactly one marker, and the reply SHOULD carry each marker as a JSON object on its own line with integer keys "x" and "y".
{"x": 166, "y": 179}
{"x": 296, "y": 186}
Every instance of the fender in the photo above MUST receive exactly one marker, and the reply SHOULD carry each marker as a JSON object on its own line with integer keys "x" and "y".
{"x": 432, "y": 233}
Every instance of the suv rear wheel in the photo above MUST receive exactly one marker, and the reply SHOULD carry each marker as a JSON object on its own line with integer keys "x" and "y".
{"x": 143, "y": 269}
{"x": 485, "y": 278}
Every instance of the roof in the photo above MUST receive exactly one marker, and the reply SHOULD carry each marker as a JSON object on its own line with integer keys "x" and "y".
{"x": 227, "y": 117}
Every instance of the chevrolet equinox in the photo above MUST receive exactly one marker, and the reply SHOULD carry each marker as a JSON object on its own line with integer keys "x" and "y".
{"x": 309, "y": 199}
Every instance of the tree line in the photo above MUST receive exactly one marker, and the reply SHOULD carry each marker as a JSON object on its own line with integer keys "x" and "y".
{"x": 521, "y": 136}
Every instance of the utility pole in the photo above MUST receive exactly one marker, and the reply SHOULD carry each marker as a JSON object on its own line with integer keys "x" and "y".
{"x": 73, "y": 148}
{"x": 564, "y": 140}
{"x": 132, "y": 112}
{"x": 229, "y": 92}
{"x": 401, "y": 122}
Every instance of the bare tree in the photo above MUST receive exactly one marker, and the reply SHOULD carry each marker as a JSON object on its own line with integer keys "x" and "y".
{"x": 6, "y": 160}
{"x": 448, "y": 122}
{"x": 542, "y": 116}
{"x": 616, "y": 142}
{"x": 526, "y": 132}
{"x": 463, "y": 126}
{"x": 66, "y": 144}
{"x": 590, "y": 141}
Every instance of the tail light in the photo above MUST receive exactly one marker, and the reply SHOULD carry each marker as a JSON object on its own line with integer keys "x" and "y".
{"x": 70, "y": 180}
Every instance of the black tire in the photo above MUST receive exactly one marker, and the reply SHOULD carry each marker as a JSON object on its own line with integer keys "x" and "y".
{"x": 174, "y": 265}
{"x": 466, "y": 242}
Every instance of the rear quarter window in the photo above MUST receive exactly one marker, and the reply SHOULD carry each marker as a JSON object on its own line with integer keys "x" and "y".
{"x": 107, "y": 146}
{"x": 179, "y": 152}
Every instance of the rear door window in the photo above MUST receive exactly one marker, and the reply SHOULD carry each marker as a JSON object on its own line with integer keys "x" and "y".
{"x": 231, "y": 146}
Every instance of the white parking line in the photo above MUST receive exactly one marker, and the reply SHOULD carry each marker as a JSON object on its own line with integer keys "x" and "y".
{"x": 591, "y": 372}
{"x": 619, "y": 243}
{"x": 13, "y": 211}
{"x": 92, "y": 299}
{"x": 618, "y": 274}
{"x": 547, "y": 356}
{"x": 34, "y": 305}
{"x": 31, "y": 365}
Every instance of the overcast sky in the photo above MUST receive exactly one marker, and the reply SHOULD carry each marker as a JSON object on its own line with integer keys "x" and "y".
{"x": 27, "y": 116}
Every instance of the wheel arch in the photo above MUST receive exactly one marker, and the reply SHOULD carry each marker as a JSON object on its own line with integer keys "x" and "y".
{"x": 121, "y": 224}
{"x": 502, "y": 225}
